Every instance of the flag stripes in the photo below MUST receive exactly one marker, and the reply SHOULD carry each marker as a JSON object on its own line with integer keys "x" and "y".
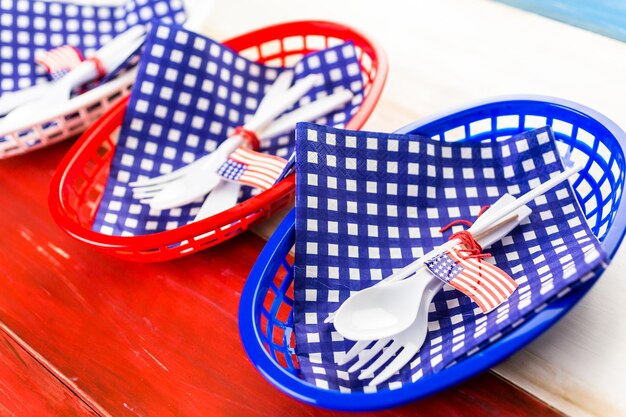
{"x": 252, "y": 168}
{"x": 59, "y": 61}
{"x": 486, "y": 284}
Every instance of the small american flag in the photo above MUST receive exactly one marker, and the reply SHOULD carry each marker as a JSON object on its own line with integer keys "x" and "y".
{"x": 252, "y": 168}
{"x": 59, "y": 61}
{"x": 486, "y": 284}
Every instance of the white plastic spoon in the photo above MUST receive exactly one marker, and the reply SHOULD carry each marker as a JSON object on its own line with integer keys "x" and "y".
{"x": 410, "y": 341}
{"x": 385, "y": 310}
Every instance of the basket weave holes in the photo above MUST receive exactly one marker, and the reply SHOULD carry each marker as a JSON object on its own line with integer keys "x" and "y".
{"x": 284, "y": 313}
{"x": 293, "y": 44}
{"x": 315, "y": 42}
{"x": 271, "y": 49}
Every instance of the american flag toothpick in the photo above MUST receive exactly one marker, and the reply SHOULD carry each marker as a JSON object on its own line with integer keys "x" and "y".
{"x": 486, "y": 284}
{"x": 252, "y": 168}
{"x": 59, "y": 61}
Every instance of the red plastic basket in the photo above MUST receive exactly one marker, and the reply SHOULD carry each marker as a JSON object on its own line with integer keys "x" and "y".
{"x": 78, "y": 183}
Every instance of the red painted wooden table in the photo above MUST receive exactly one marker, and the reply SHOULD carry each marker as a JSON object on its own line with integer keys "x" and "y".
{"x": 82, "y": 333}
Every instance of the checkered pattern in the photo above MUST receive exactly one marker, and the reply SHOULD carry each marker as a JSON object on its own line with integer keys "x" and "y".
{"x": 370, "y": 203}
{"x": 191, "y": 92}
{"x": 30, "y": 27}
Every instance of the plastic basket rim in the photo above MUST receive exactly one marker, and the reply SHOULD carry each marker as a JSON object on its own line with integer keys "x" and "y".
{"x": 77, "y": 103}
{"x": 471, "y": 366}
{"x": 249, "y": 207}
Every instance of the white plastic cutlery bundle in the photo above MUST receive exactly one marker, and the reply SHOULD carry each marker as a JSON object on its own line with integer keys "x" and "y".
{"x": 45, "y": 99}
{"x": 386, "y": 315}
{"x": 200, "y": 178}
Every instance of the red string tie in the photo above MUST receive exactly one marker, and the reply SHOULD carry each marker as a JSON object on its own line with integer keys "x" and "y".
{"x": 100, "y": 69}
{"x": 472, "y": 249}
{"x": 248, "y": 136}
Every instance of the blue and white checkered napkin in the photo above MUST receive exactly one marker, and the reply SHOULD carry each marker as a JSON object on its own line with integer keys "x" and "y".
{"x": 29, "y": 27}
{"x": 191, "y": 92}
{"x": 369, "y": 203}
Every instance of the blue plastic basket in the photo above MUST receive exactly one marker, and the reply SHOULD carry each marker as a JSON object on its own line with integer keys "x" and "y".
{"x": 584, "y": 135}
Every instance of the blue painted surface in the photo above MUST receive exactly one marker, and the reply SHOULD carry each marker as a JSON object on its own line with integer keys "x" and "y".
{"x": 606, "y": 17}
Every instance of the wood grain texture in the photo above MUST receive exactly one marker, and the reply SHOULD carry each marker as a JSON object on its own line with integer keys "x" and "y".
{"x": 27, "y": 389}
{"x": 152, "y": 339}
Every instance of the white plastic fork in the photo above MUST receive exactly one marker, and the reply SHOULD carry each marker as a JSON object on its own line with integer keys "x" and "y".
{"x": 226, "y": 194}
{"x": 200, "y": 177}
{"x": 111, "y": 55}
{"x": 410, "y": 341}
{"x": 13, "y": 99}
{"x": 282, "y": 82}
{"x": 197, "y": 179}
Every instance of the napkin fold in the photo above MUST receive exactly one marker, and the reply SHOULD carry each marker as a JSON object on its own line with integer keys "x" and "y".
{"x": 369, "y": 203}
{"x": 31, "y": 27}
{"x": 191, "y": 92}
